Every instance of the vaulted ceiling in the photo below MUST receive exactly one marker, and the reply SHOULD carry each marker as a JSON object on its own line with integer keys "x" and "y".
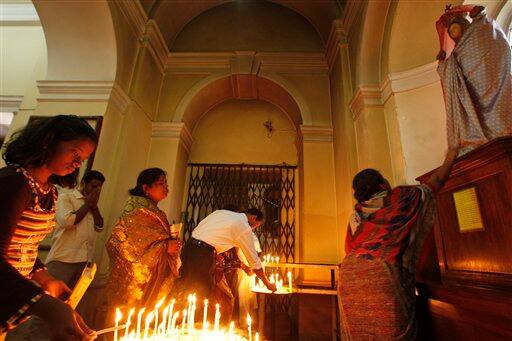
{"x": 173, "y": 15}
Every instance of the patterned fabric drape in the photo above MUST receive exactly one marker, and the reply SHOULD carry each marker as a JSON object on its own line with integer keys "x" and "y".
{"x": 477, "y": 86}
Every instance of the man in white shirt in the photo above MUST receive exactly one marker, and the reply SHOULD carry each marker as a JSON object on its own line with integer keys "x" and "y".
{"x": 78, "y": 222}
{"x": 217, "y": 233}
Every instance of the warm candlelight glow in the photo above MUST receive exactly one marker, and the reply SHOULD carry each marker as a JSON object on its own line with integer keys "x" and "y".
{"x": 167, "y": 326}
{"x": 118, "y": 318}
{"x": 139, "y": 319}
{"x": 129, "y": 321}
{"x": 205, "y": 314}
{"x": 249, "y": 324}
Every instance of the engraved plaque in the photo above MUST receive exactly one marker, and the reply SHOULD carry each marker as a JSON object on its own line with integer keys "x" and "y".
{"x": 468, "y": 210}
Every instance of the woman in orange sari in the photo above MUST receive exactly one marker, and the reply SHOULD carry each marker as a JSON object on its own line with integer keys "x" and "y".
{"x": 144, "y": 254}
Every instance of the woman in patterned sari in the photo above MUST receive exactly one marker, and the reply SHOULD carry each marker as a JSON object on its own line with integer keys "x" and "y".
{"x": 384, "y": 238}
{"x": 144, "y": 255}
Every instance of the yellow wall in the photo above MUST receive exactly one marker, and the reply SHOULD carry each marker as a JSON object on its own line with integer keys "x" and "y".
{"x": 414, "y": 40}
{"x": 233, "y": 132}
{"x": 319, "y": 231}
{"x": 422, "y": 120}
{"x": 22, "y": 57}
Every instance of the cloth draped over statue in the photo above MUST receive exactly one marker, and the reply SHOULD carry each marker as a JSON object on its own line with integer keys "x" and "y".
{"x": 477, "y": 85}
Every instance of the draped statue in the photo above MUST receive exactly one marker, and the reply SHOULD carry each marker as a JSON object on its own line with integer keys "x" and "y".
{"x": 475, "y": 71}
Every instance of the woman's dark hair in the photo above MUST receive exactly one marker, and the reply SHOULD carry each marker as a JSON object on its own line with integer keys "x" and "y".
{"x": 230, "y": 207}
{"x": 93, "y": 175}
{"x": 256, "y": 212}
{"x": 66, "y": 181}
{"x": 35, "y": 145}
{"x": 146, "y": 177}
{"x": 366, "y": 183}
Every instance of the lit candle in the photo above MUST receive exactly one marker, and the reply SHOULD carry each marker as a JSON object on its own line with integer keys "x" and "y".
{"x": 170, "y": 316}
{"x": 231, "y": 330}
{"x": 147, "y": 323}
{"x": 157, "y": 306}
{"x": 257, "y": 337}
{"x": 161, "y": 328}
{"x": 249, "y": 323}
{"x": 128, "y": 321}
{"x": 217, "y": 317}
{"x": 277, "y": 259}
{"x": 192, "y": 313}
{"x": 174, "y": 319}
{"x": 139, "y": 319}
{"x": 184, "y": 321}
{"x": 118, "y": 318}
{"x": 205, "y": 313}
{"x": 289, "y": 281}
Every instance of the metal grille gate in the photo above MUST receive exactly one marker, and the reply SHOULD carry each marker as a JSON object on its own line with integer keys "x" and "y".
{"x": 269, "y": 188}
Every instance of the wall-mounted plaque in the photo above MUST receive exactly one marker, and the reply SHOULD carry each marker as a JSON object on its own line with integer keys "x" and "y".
{"x": 468, "y": 210}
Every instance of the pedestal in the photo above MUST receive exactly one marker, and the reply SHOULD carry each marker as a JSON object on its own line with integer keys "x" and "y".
{"x": 473, "y": 237}
{"x": 474, "y": 228}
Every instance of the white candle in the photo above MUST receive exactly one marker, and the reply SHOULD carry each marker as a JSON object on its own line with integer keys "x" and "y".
{"x": 217, "y": 317}
{"x": 174, "y": 319}
{"x": 205, "y": 314}
{"x": 277, "y": 259}
{"x": 249, "y": 323}
{"x": 139, "y": 319}
{"x": 170, "y": 316}
{"x": 147, "y": 323}
{"x": 118, "y": 318}
{"x": 192, "y": 313}
{"x": 289, "y": 281}
{"x": 257, "y": 337}
{"x": 157, "y": 306}
{"x": 184, "y": 321}
{"x": 161, "y": 328}
{"x": 231, "y": 330}
{"x": 128, "y": 321}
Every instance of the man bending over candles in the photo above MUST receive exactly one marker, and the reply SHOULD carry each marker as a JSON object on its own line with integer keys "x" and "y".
{"x": 215, "y": 234}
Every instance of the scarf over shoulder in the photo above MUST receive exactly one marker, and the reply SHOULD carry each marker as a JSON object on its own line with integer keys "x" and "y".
{"x": 141, "y": 269}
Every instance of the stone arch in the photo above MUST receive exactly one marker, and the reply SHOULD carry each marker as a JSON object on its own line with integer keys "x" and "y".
{"x": 79, "y": 34}
{"x": 219, "y": 87}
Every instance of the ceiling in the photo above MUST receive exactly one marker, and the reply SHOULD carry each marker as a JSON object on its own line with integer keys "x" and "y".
{"x": 172, "y": 15}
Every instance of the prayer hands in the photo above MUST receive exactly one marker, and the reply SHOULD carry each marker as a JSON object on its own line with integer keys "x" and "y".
{"x": 92, "y": 198}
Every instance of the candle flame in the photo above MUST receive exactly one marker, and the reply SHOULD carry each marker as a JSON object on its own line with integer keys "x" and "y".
{"x": 249, "y": 320}
{"x": 118, "y": 315}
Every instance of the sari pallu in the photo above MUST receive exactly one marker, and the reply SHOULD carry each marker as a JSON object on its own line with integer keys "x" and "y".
{"x": 376, "y": 286}
{"x": 142, "y": 271}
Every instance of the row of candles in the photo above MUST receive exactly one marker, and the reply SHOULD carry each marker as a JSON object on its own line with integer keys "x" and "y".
{"x": 168, "y": 327}
{"x": 258, "y": 286}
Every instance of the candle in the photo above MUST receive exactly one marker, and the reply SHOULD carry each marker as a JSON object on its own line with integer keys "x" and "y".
{"x": 205, "y": 313}
{"x": 171, "y": 308}
{"x": 184, "y": 321}
{"x": 147, "y": 323}
{"x": 192, "y": 313}
{"x": 157, "y": 306}
{"x": 118, "y": 318}
{"x": 139, "y": 318}
{"x": 289, "y": 281}
{"x": 161, "y": 328}
{"x": 257, "y": 337}
{"x": 217, "y": 317}
{"x": 249, "y": 323}
{"x": 128, "y": 321}
{"x": 174, "y": 319}
{"x": 231, "y": 330}
{"x": 277, "y": 259}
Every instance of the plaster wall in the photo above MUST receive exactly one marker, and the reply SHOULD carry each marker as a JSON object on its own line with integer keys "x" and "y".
{"x": 233, "y": 132}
